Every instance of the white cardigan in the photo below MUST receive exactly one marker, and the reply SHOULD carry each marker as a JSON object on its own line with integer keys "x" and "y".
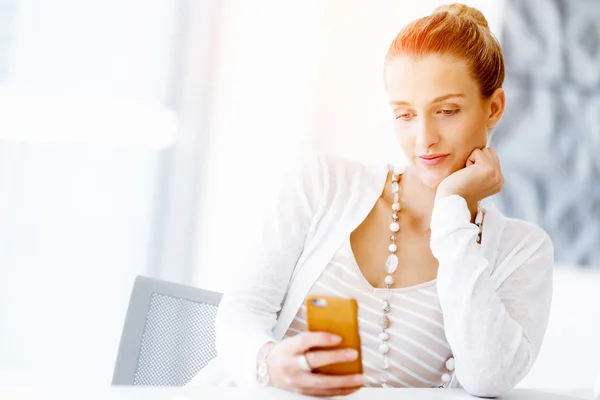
{"x": 495, "y": 297}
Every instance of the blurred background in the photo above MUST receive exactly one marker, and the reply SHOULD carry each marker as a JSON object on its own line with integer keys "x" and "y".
{"x": 142, "y": 137}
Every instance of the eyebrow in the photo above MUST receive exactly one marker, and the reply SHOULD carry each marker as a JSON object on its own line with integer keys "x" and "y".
{"x": 436, "y": 100}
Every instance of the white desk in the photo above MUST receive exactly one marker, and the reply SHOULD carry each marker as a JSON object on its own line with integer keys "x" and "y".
{"x": 131, "y": 393}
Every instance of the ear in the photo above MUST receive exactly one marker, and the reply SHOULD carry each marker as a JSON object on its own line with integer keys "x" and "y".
{"x": 496, "y": 104}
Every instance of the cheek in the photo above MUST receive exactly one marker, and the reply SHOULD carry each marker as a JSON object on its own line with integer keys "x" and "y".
{"x": 467, "y": 137}
{"x": 406, "y": 138}
{"x": 463, "y": 133}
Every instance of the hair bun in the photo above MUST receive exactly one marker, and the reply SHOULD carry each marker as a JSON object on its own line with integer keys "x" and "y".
{"x": 464, "y": 11}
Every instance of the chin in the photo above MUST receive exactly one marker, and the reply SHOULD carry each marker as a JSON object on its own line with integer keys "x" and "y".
{"x": 431, "y": 179}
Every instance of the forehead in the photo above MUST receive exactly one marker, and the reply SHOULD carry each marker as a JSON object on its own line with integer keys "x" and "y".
{"x": 421, "y": 79}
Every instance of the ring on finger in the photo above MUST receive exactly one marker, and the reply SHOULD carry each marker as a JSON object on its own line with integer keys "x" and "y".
{"x": 303, "y": 363}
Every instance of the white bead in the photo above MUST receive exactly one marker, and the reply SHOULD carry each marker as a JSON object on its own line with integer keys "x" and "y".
{"x": 384, "y": 336}
{"x": 384, "y": 348}
{"x": 394, "y": 227}
{"x": 450, "y": 364}
{"x": 385, "y": 385}
{"x": 394, "y": 178}
{"x": 389, "y": 280}
{"x": 395, "y": 187}
{"x": 395, "y": 217}
{"x": 384, "y": 322}
{"x": 396, "y": 206}
{"x": 446, "y": 378}
{"x": 391, "y": 264}
{"x": 385, "y": 305}
{"x": 393, "y": 248}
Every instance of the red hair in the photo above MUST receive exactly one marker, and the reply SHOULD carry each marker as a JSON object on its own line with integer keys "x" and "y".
{"x": 459, "y": 31}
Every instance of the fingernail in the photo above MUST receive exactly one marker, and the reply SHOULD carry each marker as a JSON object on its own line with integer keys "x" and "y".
{"x": 358, "y": 379}
{"x": 351, "y": 354}
{"x": 335, "y": 339}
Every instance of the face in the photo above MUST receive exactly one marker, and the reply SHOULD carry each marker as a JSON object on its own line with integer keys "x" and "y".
{"x": 440, "y": 115}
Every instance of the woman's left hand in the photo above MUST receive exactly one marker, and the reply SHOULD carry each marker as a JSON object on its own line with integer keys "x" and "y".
{"x": 480, "y": 178}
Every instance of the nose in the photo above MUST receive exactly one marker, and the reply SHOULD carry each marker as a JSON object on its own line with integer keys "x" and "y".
{"x": 427, "y": 134}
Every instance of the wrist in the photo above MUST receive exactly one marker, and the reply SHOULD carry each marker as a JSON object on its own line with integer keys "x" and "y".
{"x": 265, "y": 350}
{"x": 262, "y": 367}
{"x": 442, "y": 192}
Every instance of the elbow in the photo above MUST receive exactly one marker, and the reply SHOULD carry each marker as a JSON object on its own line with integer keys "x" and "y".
{"x": 495, "y": 375}
{"x": 491, "y": 381}
{"x": 486, "y": 389}
{"x": 491, "y": 384}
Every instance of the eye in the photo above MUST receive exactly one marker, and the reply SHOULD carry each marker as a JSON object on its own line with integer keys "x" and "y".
{"x": 449, "y": 111}
{"x": 404, "y": 116}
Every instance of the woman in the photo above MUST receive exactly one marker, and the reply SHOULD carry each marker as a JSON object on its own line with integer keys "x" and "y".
{"x": 450, "y": 293}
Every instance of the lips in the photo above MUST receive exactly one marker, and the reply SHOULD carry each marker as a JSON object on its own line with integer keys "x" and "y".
{"x": 432, "y": 159}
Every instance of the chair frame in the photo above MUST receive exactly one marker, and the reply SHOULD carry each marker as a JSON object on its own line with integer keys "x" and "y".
{"x": 135, "y": 322}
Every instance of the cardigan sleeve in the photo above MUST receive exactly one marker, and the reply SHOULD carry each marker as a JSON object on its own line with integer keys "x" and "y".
{"x": 495, "y": 333}
{"x": 248, "y": 311}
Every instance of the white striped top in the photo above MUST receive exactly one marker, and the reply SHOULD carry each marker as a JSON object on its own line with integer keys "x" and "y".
{"x": 418, "y": 346}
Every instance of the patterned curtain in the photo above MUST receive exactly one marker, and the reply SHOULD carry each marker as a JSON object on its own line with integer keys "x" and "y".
{"x": 549, "y": 138}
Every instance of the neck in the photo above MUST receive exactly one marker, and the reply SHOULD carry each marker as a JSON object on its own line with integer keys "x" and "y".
{"x": 417, "y": 201}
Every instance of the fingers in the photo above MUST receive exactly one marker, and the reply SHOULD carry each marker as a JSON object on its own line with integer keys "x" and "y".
{"x": 326, "y": 392}
{"x": 308, "y": 380}
{"x": 303, "y": 342}
{"x": 318, "y": 359}
{"x": 286, "y": 371}
{"x": 494, "y": 157}
{"x": 320, "y": 381}
{"x": 476, "y": 156}
{"x": 483, "y": 155}
{"x": 490, "y": 152}
{"x": 495, "y": 170}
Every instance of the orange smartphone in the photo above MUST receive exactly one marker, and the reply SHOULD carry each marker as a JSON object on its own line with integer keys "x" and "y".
{"x": 339, "y": 316}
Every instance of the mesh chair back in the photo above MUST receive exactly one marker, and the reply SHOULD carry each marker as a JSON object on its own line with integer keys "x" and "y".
{"x": 169, "y": 334}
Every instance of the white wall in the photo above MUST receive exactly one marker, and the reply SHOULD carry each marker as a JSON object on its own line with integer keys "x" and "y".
{"x": 87, "y": 47}
{"x": 83, "y": 132}
{"x": 79, "y": 217}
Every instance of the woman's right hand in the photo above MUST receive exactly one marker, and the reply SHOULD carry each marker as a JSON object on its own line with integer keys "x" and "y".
{"x": 285, "y": 371}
